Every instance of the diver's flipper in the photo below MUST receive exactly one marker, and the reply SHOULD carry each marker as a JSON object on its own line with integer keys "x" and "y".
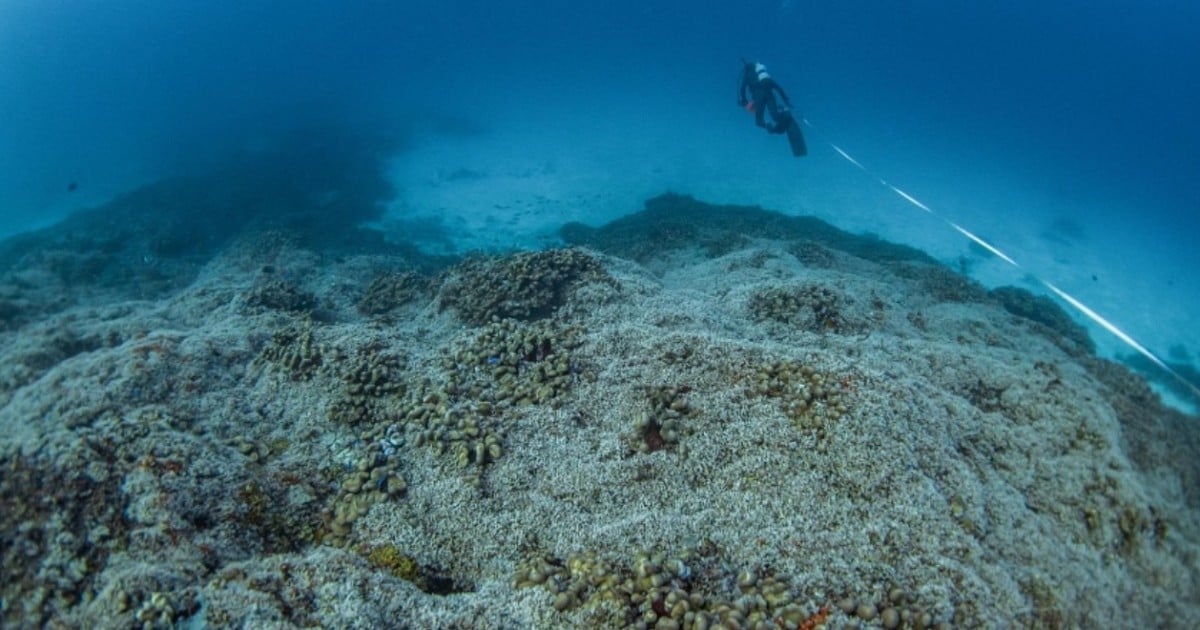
{"x": 796, "y": 138}
{"x": 787, "y": 124}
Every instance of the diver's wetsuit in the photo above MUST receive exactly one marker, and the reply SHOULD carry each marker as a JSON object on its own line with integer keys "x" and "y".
{"x": 762, "y": 94}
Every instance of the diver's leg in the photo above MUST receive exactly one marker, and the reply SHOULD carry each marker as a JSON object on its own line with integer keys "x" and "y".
{"x": 778, "y": 122}
{"x": 759, "y": 110}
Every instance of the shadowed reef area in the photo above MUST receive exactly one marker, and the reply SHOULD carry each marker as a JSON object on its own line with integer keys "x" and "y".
{"x": 223, "y": 402}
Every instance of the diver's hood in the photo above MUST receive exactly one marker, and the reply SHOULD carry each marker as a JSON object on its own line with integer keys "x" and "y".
{"x": 760, "y": 72}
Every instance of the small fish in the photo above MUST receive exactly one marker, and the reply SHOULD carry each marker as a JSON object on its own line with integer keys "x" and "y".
{"x": 73, "y": 186}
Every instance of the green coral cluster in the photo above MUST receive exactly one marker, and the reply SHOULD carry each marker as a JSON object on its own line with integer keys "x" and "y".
{"x": 392, "y": 559}
{"x": 367, "y": 379}
{"x": 60, "y": 528}
{"x": 942, "y": 283}
{"x": 1113, "y": 523}
{"x": 663, "y": 425}
{"x": 294, "y": 350}
{"x": 684, "y": 591}
{"x": 524, "y": 286}
{"x": 515, "y": 363}
{"x": 372, "y": 387}
{"x": 375, "y": 478}
{"x": 504, "y": 365}
{"x": 466, "y": 430}
{"x": 810, "y": 398}
{"x": 895, "y": 608}
{"x": 390, "y": 291}
{"x": 507, "y": 364}
{"x": 811, "y": 307}
{"x": 158, "y": 611}
{"x": 696, "y": 590}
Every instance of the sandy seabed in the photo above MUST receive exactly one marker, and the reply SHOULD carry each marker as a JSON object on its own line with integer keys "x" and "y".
{"x": 696, "y": 415}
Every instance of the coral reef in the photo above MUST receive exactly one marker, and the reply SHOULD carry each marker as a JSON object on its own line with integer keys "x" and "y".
{"x": 60, "y": 528}
{"x": 812, "y": 399}
{"x": 813, "y": 254}
{"x": 264, "y": 509}
{"x": 495, "y": 370}
{"x": 281, "y": 295}
{"x": 524, "y": 286}
{"x": 371, "y": 375}
{"x": 294, "y": 351}
{"x": 511, "y": 363}
{"x": 404, "y": 567}
{"x": 663, "y": 426}
{"x": 693, "y": 590}
{"x": 812, "y": 307}
{"x": 1054, "y": 321}
{"x": 374, "y": 478}
{"x": 941, "y": 284}
{"x": 672, "y": 222}
{"x": 775, "y": 425}
{"x": 391, "y": 291}
{"x": 12, "y": 310}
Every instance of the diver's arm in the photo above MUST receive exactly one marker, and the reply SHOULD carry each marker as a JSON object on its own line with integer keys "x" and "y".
{"x": 742, "y": 98}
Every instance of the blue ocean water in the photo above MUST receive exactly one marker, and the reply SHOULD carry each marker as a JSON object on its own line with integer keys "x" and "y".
{"x": 1063, "y": 132}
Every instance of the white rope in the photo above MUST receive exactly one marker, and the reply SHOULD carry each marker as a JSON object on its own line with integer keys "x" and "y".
{"x": 1069, "y": 299}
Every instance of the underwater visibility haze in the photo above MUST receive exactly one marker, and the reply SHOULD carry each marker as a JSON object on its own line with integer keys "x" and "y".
{"x": 507, "y": 315}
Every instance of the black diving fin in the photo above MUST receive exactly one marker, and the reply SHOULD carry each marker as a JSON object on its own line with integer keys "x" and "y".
{"x": 794, "y": 135}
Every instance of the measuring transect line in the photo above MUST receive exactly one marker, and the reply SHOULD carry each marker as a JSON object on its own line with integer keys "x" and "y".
{"x": 1069, "y": 299}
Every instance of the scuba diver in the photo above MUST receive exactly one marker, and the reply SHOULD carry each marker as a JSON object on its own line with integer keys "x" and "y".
{"x": 761, "y": 88}
{"x": 756, "y": 93}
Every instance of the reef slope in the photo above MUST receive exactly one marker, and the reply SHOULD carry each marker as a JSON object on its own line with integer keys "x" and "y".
{"x": 697, "y": 414}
